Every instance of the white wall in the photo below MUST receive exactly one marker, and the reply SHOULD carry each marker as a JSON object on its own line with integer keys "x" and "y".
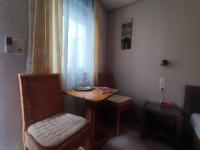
{"x": 162, "y": 29}
{"x": 13, "y": 22}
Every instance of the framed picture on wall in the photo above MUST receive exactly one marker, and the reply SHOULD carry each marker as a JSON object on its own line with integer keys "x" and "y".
{"x": 126, "y": 35}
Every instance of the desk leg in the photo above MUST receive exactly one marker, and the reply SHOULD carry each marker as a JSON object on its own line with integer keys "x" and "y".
{"x": 90, "y": 115}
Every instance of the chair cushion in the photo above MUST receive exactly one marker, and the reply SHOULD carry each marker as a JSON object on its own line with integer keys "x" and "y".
{"x": 115, "y": 90}
{"x": 55, "y": 130}
{"x": 118, "y": 98}
{"x": 195, "y": 122}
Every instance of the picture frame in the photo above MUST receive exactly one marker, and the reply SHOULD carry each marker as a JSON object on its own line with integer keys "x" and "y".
{"x": 126, "y": 34}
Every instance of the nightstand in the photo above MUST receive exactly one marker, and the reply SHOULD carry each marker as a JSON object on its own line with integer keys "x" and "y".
{"x": 163, "y": 122}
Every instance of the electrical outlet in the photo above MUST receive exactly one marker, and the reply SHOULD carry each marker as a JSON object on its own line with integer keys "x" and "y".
{"x": 163, "y": 83}
{"x": 19, "y": 47}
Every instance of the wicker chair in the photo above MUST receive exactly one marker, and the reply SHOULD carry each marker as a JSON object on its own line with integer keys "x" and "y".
{"x": 117, "y": 102}
{"x": 45, "y": 125}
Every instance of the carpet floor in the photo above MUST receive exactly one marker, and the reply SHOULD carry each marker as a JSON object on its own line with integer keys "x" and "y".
{"x": 132, "y": 141}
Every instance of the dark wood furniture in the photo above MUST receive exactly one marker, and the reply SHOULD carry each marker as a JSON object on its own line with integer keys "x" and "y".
{"x": 192, "y": 105}
{"x": 41, "y": 98}
{"x": 119, "y": 106}
{"x": 93, "y": 100}
{"x": 162, "y": 122}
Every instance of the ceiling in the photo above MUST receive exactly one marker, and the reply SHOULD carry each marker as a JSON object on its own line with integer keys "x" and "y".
{"x": 113, "y": 4}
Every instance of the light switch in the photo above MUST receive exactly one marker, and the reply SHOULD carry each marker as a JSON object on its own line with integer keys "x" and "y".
{"x": 19, "y": 46}
{"x": 162, "y": 83}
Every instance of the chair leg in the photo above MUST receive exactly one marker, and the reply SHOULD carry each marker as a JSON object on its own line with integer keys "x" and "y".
{"x": 88, "y": 141}
{"x": 87, "y": 144}
{"x": 118, "y": 117}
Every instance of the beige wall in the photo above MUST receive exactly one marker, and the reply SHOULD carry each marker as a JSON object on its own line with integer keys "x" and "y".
{"x": 13, "y": 22}
{"x": 162, "y": 29}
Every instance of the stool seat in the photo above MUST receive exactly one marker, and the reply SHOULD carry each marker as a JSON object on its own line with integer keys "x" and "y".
{"x": 118, "y": 99}
{"x": 55, "y": 130}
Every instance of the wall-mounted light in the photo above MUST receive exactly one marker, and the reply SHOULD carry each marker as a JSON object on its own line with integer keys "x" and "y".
{"x": 165, "y": 63}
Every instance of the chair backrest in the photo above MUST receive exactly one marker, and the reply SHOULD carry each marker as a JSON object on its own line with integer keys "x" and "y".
{"x": 41, "y": 97}
{"x": 106, "y": 79}
{"x": 192, "y": 100}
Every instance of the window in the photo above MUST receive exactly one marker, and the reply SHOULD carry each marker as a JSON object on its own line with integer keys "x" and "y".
{"x": 79, "y": 39}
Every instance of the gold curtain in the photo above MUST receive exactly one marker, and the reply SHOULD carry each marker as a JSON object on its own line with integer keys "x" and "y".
{"x": 98, "y": 64}
{"x": 45, "y": 36}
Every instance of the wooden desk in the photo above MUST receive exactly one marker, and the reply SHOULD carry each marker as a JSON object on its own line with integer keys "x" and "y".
{"x": 92, "y": 96}
{"x": 92, "y": 99}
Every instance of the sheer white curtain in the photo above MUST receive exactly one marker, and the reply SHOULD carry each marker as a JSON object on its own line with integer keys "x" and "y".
{"x": 78, "y": 43}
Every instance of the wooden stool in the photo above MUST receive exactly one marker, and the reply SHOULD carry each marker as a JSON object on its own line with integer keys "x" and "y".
{"x": 120, "y": 104}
